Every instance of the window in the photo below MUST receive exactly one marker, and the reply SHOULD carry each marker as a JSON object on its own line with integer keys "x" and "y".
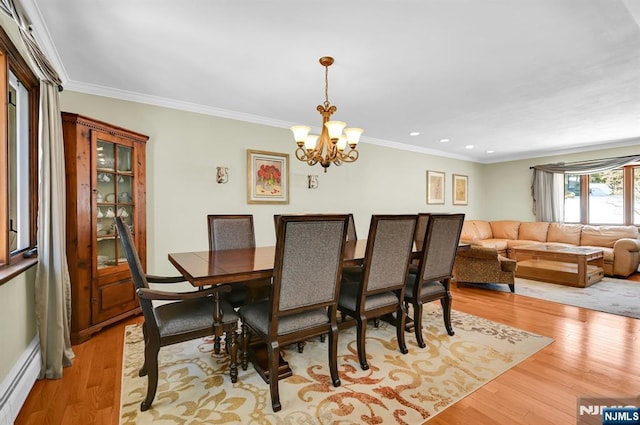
{"x": 608, "y": 197}
{"x": 18, "y": 154}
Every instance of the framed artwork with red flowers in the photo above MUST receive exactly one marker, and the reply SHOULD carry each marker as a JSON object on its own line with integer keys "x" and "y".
{"x": 267, "y": 177}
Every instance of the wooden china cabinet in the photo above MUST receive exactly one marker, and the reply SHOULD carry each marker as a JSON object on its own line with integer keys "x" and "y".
{"x": 105, "y": 177}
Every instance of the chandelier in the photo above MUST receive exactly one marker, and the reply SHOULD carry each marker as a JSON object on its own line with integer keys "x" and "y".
{"x": 330, "y": 146}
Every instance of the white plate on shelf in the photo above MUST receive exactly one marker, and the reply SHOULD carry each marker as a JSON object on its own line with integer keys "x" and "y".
{"x": 110, "y": 197}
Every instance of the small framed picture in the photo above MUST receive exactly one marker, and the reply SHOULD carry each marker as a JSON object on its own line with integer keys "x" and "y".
{"x": 435, "y": 187}
{"x": 460, "y": 189}
{"x": 267, "y": 177}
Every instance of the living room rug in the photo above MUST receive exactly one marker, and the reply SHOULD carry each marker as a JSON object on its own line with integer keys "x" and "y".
{"x": 194, "y": 385}
{"x": 610, "y": 295}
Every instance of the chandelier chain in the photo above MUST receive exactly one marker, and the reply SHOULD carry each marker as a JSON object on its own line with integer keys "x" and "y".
{"x": 326, "y": 86}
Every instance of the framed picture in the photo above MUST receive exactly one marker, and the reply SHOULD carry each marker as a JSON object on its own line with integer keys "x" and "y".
{"x": 267, "y": 177}
{"x": 460, "y": 189}
{"x": 435, "y": 187}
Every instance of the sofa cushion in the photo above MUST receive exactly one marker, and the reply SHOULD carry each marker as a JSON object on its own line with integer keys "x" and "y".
{"x": 564, "y": 233}
{"x": 606, "y": 235}
{"x": 499, "y": 244}
{"x": 505, "y": 229}
{"x": 483, "y": 228}
{"x": 469, "y": 232}
{"x": 533, "y": 231}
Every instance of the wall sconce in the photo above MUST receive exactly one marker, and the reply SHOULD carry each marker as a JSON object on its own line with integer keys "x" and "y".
{"x": 313, "y": 181}
{"x": 222, "y": 176}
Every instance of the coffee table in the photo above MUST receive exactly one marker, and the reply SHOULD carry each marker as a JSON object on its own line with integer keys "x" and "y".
{"x": 573, "y": 266}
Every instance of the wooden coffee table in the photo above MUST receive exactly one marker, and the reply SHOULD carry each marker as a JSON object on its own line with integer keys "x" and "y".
{"x": 573, "y": 266}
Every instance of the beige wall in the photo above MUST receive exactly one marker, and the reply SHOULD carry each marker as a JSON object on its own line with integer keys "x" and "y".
{"x": 17, "y": 318}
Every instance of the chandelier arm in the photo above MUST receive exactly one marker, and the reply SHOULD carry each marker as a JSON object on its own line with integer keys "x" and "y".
{"x": 351, "y": 156}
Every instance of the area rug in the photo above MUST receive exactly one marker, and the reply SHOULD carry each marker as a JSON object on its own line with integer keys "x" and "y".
{"x": 615, "y": 296}
{"x": 195, "y": 388}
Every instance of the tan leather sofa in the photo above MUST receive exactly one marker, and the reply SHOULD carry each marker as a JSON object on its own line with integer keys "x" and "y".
{"x": 621, "y": 244}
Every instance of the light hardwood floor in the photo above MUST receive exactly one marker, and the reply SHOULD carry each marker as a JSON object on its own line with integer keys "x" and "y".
{"x": 594, "y": 354}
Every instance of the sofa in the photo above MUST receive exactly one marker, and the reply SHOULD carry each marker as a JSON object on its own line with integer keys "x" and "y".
{"x": 621, "y": 244}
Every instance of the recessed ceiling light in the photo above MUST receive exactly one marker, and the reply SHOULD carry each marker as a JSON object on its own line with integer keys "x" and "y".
{"x": 444, "y": 140}
{"x": 469, "y": 147}
{"x": 414, "y": 133}
{"x": 490, "y": 151}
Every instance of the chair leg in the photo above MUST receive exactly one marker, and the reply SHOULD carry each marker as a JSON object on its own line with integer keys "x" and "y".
{"x": 216, "y": 344}
{"x": 245, "y": 347}
{"x": 274, "y": 353}
{"x": 446, "y": 312}
{"x": 376, "y": 322}
{"x": 301, "y": 345}
{"x": 333, "y": 355}
{"x": 151, "y": 362}
{"x": 323, "y": 337}
{"x": 232, "y": 348}
{"x": 400, "y": 325}
{"x": 512, "y": 287}
{"x": 143, "y": 370}
{"x": 417, "y": 323}
{"x": 360, "y": 338}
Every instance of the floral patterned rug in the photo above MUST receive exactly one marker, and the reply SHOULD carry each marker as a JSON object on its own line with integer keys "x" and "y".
{"x": 194, "y": 385}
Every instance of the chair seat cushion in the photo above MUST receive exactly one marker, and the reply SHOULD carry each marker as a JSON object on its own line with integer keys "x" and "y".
{"x": 186, "y": 316}
{"x": 429, "y": 289}
{"x": 349, "y": 296}
{"x": 257, "y": 315}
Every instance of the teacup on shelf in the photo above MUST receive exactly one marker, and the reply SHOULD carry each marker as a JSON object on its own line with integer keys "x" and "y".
{"x": 110, "y": 213}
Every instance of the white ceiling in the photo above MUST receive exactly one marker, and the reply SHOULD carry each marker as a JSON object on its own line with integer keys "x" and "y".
{"x": 524, "y": 78}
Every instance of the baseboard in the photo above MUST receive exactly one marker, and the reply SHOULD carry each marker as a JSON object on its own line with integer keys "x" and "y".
{"x": 16, "y": 386}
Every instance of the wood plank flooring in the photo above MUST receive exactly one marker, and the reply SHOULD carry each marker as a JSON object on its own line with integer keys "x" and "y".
{"x": 594, "y": 354}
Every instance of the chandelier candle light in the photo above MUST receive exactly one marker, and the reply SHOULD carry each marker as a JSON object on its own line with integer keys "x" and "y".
{"x": 330, "y": 146}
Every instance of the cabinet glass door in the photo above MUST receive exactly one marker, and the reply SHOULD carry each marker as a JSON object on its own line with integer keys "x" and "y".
{"x": 115, "y": 197}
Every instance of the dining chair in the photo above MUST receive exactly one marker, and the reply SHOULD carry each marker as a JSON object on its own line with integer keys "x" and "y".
{"x": 236, "y": 231}
{"x": 432, "y": 279}
{"x": 421, "y": 228}
{"x": 304, "y": 292}
{"x": 182, "y": 316}
{"x": 351, "y": 227}
{"x": 379, "y": 289}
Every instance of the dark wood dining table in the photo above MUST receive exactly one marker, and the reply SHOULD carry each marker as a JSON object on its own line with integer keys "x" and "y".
{"x": 208, "y": 268}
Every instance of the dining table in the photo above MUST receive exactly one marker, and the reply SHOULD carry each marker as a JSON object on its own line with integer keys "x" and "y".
{"x": 211, "y": 267}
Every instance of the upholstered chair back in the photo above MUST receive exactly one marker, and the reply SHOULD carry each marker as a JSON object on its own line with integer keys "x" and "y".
{"x": 389, "y": 247}
{"x": 230, "y": 232}
{"x": 308, "y": 261}
{"x": 421, "y": 228}
{"x": 441, "y": 243}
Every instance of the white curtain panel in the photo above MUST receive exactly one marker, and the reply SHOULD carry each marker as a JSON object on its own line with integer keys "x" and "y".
{"x": 53, "y": 288}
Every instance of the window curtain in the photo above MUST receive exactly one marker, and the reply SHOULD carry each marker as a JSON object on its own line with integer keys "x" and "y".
{"x": 53, "y": 288}
{"x": 547, "y": 186}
